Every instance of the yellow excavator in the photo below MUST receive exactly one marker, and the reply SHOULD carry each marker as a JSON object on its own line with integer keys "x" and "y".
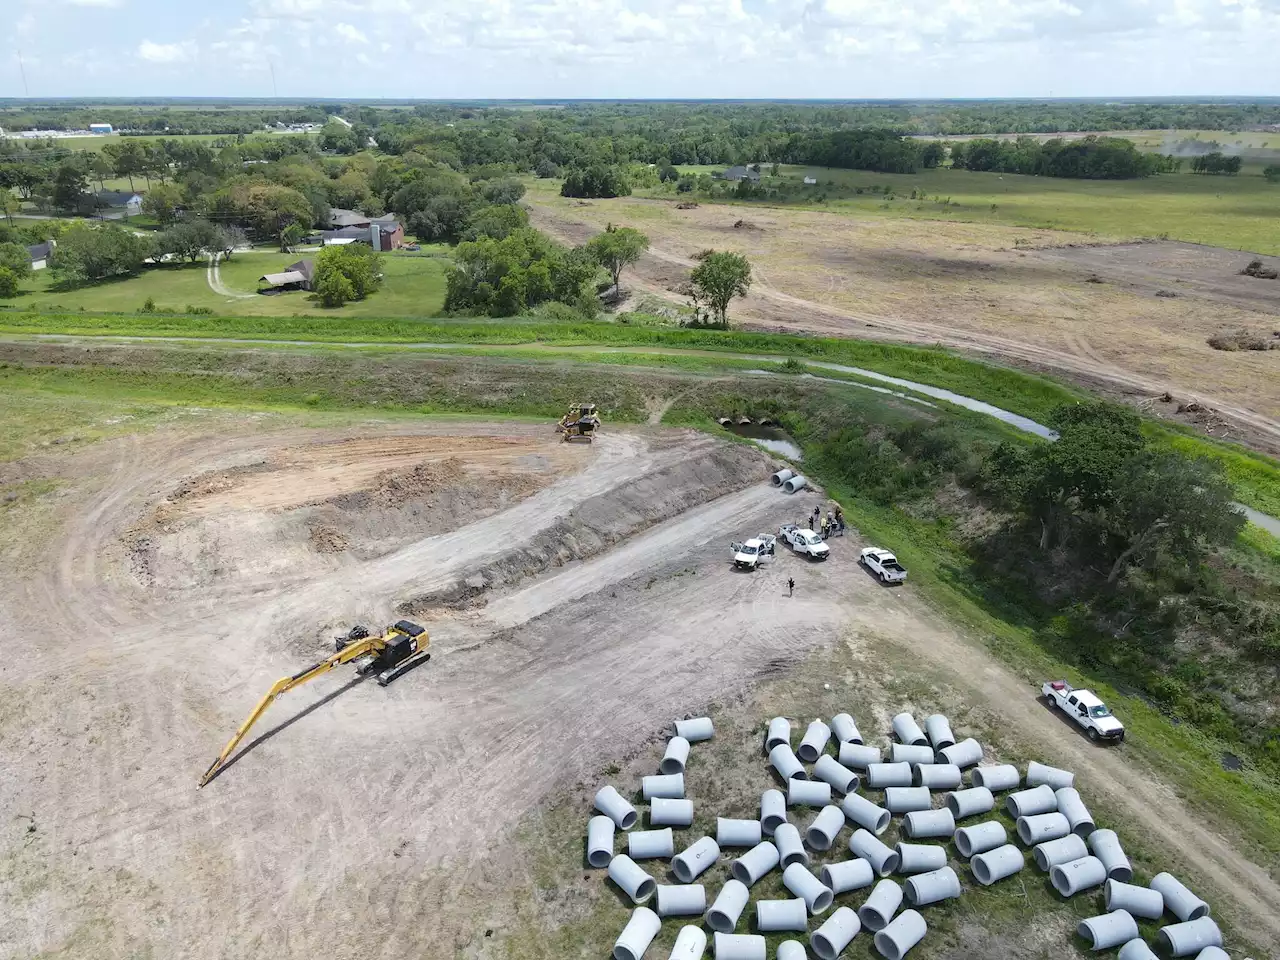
{"x": 580, "y": 423}
{"x": 393, "y": 654}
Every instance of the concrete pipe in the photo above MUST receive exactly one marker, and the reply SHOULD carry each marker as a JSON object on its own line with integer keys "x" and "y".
{"x": 817, "y": 897}
{"x": 938, "y": 729}
{"x": 924, "y": 824}
{"x": 1083, "y": 874}
{"x": 784, "y": 760}
{"x": 1049, "y": 855}
{"x": 612, "y": 804}
{"x": 755, "y": 863}
{"x": 695, "y": 859}
{"x": 814, "y": 742}
{"x": 731, "y": 901}
{"x": 1108, "y": 931}
{"x": 933, "y": 887}
{"x": 1178, "y": 900}
{"x": 689, "y": 900}
{"x": 795, "y": 484}
{"x": 830, "y": 770}
{"x": 865, "y": 813}
{"x": 971, "y": 802}
{"x": 677, "y": 755}
{"x": 691, "y": 944}
{"x": 1072, "y": 807}
{"x": 981, "y": 837}
{"x": 906, "y": 799}
{"x": 847, "y": 875}
{"x": 910, "y": 753}
{"x": 790, "y": 848}
{"x": 739, "y": 946}
{"x": 997, "y": 864}
{"x": 880, "y": 907}
{"x": 895, "y": 940}
{"x": 1213, "y": 953}
{"x": 1030, "y": 803}
{"x": 919, "y": 857}
{"x": 830, "y": 939}
{"x": 859, "y": 756}
{"x": 1038, "y": 773}
{"x": 633, "y": 881}
{"x": 791, "y": 950}
{"x": 1042, "y": 828}
{"x": 808, "y": 793}
{"x": 1106, "y": 847}
{"x": 844, "y": 729}
{"x": 870, "y": 848}
{"x": 966, "y": 753}
{"x": 781, "y": 477}
{"x": 599, "y": 841}
{"x": 779, "y": 734}
{"x": 773, "y": 811}
{"x": 664, "y": 812}
{"x": 1138, "y": 901}
{"x": 737, "y": 833}
{"x": 998, "y": 778}
{"x": 907, "y": 730}
{"x": 937, "y": 776}
{"x": 663, "y": 786}
{"x": 1191, "y": 936}
{"x": 698, "y": 728}
{"x": 821, "y": 833}
{"x": 648, "y": 844}
{"x": 1136, "y": 949}
{"x": 637, "y": 934}
{"x": 775, "y": 916}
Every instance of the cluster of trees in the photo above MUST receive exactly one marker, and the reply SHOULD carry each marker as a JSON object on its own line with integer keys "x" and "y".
{"x": 597, "y": 180}
{"x": 349, "y": 272}
{"x": 505, "y": 277}
{"x": 1090, "y": 158}
{"x": 1216, "y": 163}
{"x": 87, "y": 253}
{"x": 879, "y": 150}
{"x": 156, "y": 117}
{"x": 15, "y": 267}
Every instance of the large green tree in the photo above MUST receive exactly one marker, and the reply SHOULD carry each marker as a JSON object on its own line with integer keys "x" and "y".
{"x": 617, "y": 248}
{"x": 716, "y": 281}
{"x": 71, "y": 189}
{"x": 349, "y": 272}
{"x": 190, "y": 241}
{"x": 504, "y": 277}
{"x": 91, "y": 252}
{"x": 163, "y": 203}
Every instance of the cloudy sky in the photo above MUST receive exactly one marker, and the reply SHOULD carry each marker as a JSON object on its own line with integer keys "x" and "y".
{"x": 641, "y": 48}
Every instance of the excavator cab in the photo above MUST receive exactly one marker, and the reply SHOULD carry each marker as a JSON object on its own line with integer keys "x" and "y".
{"x": 580, "y": 423}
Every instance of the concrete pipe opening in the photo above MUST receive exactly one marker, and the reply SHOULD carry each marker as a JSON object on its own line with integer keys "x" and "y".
{"x": 907, "y": 799}
{"x": 1042, "y": 828}
{"x": 791, "y": 950}
{"x": 927, "y": 824}
{"x": 755, "y": 863}
{"x": 1072, "y": 807}
{"x": 932, "y": 887}
{"x": 1105, "y": 845}
{"x": 821, "y": 833}
{"x": 599, "y": 841}
{"x": 1083, "y": 874}
{"x": 844, "y": 729}
{"x": 966, "y": 753}
{"x": 910, "y": 753}
{"x": 981, "y": 837}
{"x": 739, "y": 946}
{"x": 663, "y": 786}
{"x": 795, "y": 484}
{"x": 1178, "y": 900}
{"x": 1213, "y": 953}
{"x": 919, "y": 857}
{"x": 731, "y": 901}
{"x": 907, "y": 730}
{"x": 1137, "y": 949}
{"x": 665, "y": 812}
{"x": 847, "y": 875}
{"x": 880, "y": 907}
{"x": 814, "y": 742}
{"x": 784, "y": 760}
{"x": 1190, "y": 936}
{"x": 1030, "y": 803}
{"x": 777, "y": 916}
{"x": 830, "y": 939}
{"x": 1005, "y": 776}
{"x": 790, "y": 847}
{"x": 1138, "y": 901}
{"x": 695, "y": 729}
{"x": 897, "y": 939}
{"x": 689, "y": 900}
{"x": 633, "y": 881}
{"x": 773, "y": 811}
{"x": 808, "y": 793}
{"x": 997, "y": 864}
{"x": 779, "y": 734}
{"x": 830, "y": 770}
{"x": 1038, "y": 773}
{"x": 737, "y": 833}
{"x": 691, "y": 944}
{"x": 695, "y": 859}
{"x": 937, "y": 776}
{"x": 781, "y": 477}
{"x": 859, "y": 756}
{"x": 614, "y": 806}
{"x": 938, "y": 729}
{"x": 971, "y": 802}
{"x": 866, "y": 814}
{"x": 637, "y": 935}
{"x": 1109, "y": 930}
{"x": 677, "y": 755}
{"x": 817, "y": 897}
{"x": 870, "y": 848}
{"x": 651, "y": 844}
{"x": 880, "y": 776}
{"x": 1049, "y": 855}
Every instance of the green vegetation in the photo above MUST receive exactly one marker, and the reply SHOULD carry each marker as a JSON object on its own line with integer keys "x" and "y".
{"x": 715, "y": 282}
{"x": 502, "y": 278}
{"x": 350, "y": 272}
{"x": 615, "y": 249}
{"x": 1090, "y": 158}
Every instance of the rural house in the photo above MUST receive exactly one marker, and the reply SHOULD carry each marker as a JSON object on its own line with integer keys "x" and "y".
{"x": 127, "y": 200}
{"x": 296, "y": 276}
{"x": 40, "y": 253}
{"x": 381, "y": 233}
{"x": 739, "y": 172}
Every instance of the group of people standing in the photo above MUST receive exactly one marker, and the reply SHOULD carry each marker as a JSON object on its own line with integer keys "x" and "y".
{"x": 832, "y": 525}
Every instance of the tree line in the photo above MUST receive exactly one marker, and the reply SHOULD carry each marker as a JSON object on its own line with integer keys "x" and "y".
{"x": 1089, "y": 158}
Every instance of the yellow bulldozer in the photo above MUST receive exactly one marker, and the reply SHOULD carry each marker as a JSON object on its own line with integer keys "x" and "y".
{"x": 580, "y": 423}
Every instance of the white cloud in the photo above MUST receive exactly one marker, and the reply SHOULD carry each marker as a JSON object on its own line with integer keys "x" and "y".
{"x": 96, "y": 3}
{"x": 166, "y": 52}
{"x": 347, "y": 32}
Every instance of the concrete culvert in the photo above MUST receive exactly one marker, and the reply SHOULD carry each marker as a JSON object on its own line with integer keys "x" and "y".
{"x": 1038, "y": 773}
{"x": 614, "y": 806}
{"x": 971, "y": 802}
{"x": 731, "y": 901}
{"x": 779, "y": 734}
{"x": 1137, "y": 949}
{"x": 784, "y": 760}
{"x": 844, "y": 729}
{"x": 1030, "y": 803}
{"x": 830, "y": 770}
{"x": 847, "y": 875}
{"x": 737, "y": 833}
{"x": 966, "y": 753}
{"x": 919, "y": 857}
{"x": 938, "y": 729}
{"x": 684, "y": 901}
{"x": 1072, "y": 807}
{"x": 907, "y": 799}
{"x": 1005, "y": 776}
{"x": 790, "y": 848}
{"x": 910, "y": 753}
{"x": 821, "y": 834}
{"x": 1213, "y": 953}
{"x": 808, "y": 793}
{"x": 859, "y": 756}
{"x": 870, "y": 848}
{"x": 781, "y": 477}
{"x": 696, "y": 729}
{"x": 865, "y": 813}
{"x": 664, "y": 786}
{"x": 739, "y": 946}
{"x": 880, "y": 907}
{"x": 599, "y": 841}
{"x": 1105, "y": 845}
{"x": 1042, "y": 828}
{"x": 677, "y": 755}
{"x": 791, "y": 950}
{"x": 830, "y": 939}
{"x": 1108, "y": 931}
{"x": 1083, "y": 874}
{"x": 666, "y": 812}
{"x": 795, "y": 484}
{"x": 907, "y": 730}
{"x": 633, "y": 881}
{"x": 755, "y": 863}
{"x": 817, "y": 898}
{"x": 895, "y": 940}
{"x": 932, "y": 887}
{"x": 1138, "y": 901}
{"x": 1049, "y": 855}
{"x": 1190, "y": 936}
{"x": 883, "y": 775}
{"x": 937, "y": 776}
{"x": 695, "y": 859}
{"x": 924, "y": 824}
{"x": 773, "y": 811}
{"x": 637, "y": 935}
{"x": 691, "y": 944}
{"x": 997, "y": 864}
{"x": 775, "y": 916}
{"x": 1178, "y": 900}
{"x": 980, "y": 838}
{"x": 650, "y": 844}
{"x": 814, "y": 742}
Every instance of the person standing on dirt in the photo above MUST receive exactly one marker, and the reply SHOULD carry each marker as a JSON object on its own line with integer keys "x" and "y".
{"x": 791, "y": 586}
{"x": 817, "y": 512}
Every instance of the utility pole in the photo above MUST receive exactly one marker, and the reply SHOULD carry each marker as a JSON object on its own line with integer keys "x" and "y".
{"x": 22, "y": 69}
{"x": 274, "y": 91}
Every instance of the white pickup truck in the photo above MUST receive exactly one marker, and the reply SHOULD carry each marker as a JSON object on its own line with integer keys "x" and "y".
{"x": 1084, "y": 707}
{"x": 805, "y": 541}
{"x": 883, "y": 564}
{"x": 749, "y": 554}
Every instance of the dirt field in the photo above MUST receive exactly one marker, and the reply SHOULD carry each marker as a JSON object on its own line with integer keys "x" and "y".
{"x": 578, "y": 598}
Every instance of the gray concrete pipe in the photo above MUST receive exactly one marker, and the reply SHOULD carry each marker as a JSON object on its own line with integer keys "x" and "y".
{"x": 882, "y": 775}
{"x": 695, "y": 859}
{"x": 599, "y": 841}
{"x": 739, "y": 946}
{"x": 1042, "y": 828}
{"x": 1029, "y": 803}
{"x": 1083, "y": 874}
{"x": 980, "y": 838}
{"x": 784, "y": 760}
{"x": 997, "y": 864}
{"x": 1190, "y": 936}
{"x": 932, "y": 887}
{"x": 1072, "y": 807}
{"x": 844, "y": 729}
{"x": 689, "y": 900}
{"x": 966, "y": 753}
{"x": 781, "y": 477}
{"x": 737, "y": 833}
{"x": 880, "y": 907}
{"x": 1178, "y": 900}
{"x": 1139, "y": 901}
{"x": 907, "y": 730}
{"x": 919, "y": 857}
{"x": 971, "y": 802}
{"x": 651, "y": 844}
{"x": 1108, "y": 931}
{"x": 808, "y": 793}
{"x": 1106, "y": 847}
{"x": 871, "y": 848}
{"x": 938, "y": 729}
{"x": 814, "y": 742}
{"x": 911, "y": 753}
{"x": 907, "y": 799}
{"x": 633, "y": 881}
{"x": 1049, "y": 855}
{"x": 937, "y": 776}
{"x": 1004, "y": 776}
{"x": 755, "y": 863}
{"x": 830, "y": 770}
{"x": 795, "y": 484}
{"x": 663, "y": 786}
{"x": 1038, "y": 773}
{"x": 779, "y": 734}
{"x": 830, "y": 939}
{"x": 677, "y": 755}
{"x": 847, "y": 875}
{"x": 664, "y": 812}
{"x": 817, "y": 897}
{"x": 698, "y": 728}
{"x": 775, "y": 916}
{"x": 859, "y": 756}
{"x": 895, "y": 940}
{"x": 773, "y": 811}
{"x": 924, "y": 824}
{"x": 1137, "y": 949}
{"x": 865, "y": 813}
{"x": 790, "y": 848}
{"x": 731, "y": 901}
{"x": 1213, "y": 953}
{"x": 821, "y": 833}
{"x": 791, "y": 950}
{"x": 637, "y": 935}
{"x": 612, "y": 804}
{"x": 691, "y": 944}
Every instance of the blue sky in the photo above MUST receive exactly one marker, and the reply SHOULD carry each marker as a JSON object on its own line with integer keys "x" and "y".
{"x": 641, "y": 48}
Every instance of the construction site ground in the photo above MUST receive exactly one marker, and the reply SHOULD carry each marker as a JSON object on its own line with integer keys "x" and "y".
{"x": 579, "y": 597}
